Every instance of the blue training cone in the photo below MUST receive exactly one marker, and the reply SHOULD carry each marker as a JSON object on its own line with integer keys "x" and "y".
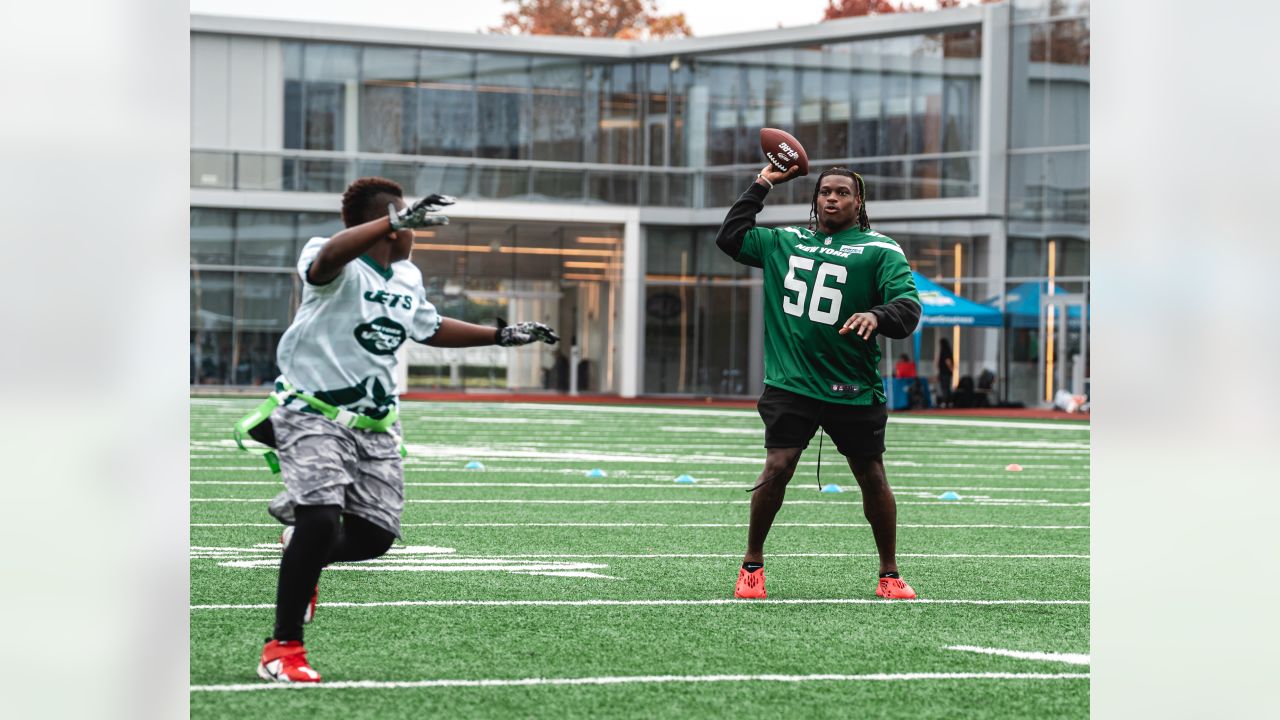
{"x": 832, "y": 488}
{"x": 686, "y": 479}
{"x": 597, "y": 472}
{"x": 949, "y": 495}
{"x": 474, "y": 465}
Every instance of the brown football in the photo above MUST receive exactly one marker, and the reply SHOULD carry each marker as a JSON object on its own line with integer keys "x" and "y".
{"x": 783, "y": 150}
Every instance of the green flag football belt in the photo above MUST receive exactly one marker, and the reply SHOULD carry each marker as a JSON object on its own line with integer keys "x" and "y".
{"x": 342, "y": 416}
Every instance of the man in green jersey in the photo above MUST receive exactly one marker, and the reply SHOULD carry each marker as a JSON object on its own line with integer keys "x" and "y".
{"x": 828, "y": 290}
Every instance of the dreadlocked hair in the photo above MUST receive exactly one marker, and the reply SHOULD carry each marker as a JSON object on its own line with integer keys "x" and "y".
{"x": 861, "y": 188}
{"x": 363, "y": 199}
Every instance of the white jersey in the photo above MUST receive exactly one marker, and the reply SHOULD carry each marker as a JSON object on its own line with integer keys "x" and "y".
{"x": 341, "y": 346}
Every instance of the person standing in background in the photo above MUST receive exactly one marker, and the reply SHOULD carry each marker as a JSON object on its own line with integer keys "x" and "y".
{"x": 946, "y": 369}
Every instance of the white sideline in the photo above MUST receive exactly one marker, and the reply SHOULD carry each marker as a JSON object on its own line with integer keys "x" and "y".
{"x": 606, "y": 603}
{"x": 1071, "y": 658}
{"x": 632, "y": 679}
{"x": 685, "y": 525}
{"x": 830, "y": 503}
{"x": 666, "y": 484}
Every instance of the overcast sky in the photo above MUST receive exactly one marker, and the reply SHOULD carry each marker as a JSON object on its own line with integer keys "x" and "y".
{"x": 706, "y": 17}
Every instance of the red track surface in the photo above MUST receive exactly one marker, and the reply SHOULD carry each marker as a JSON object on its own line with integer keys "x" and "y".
{"x": 1013, "y": 413}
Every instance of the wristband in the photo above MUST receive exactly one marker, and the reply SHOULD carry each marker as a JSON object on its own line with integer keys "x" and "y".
{"x": 765, "y": 179}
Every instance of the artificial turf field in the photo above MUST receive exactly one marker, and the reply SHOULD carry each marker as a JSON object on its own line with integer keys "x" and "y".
{"x": 527, "y": 589}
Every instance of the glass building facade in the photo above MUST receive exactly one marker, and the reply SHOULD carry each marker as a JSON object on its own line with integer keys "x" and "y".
{"x": 593, "y": 176}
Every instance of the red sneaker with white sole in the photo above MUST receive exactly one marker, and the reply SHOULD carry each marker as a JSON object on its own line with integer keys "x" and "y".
{"x": 310, "y": 614}
{"x": 286, "y": 661}
{"x": 750, "y": 584}
{"x": 895, "y": 589}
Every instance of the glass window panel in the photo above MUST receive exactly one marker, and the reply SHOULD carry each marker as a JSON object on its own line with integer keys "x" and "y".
{"x": 753, "y": 114}
{"x": 1028, "y": 93}
{"x": 720, "y": 83}
{"x": 447, "y": 102}
{"x": 926, "y": 94}
{"x": 665, "y": 339}
{"x": 618, "y": 129}
{"x": 1025, "y": 257}
{"x": 264, "y": 304}
{"x": 211, "y": 300}
{"x": 657, "y": 121}
{"x": 808, "y": 127}
{"x": 557, "y": 109}
{"x": 503, "y": 85}
{"x": 668, "y": 251}
{"x": 389, "y": 100}
{"x": 681, "y": 138}
{"x": 613, "y": 187}
{"x": 780, "y": 91}
{"x": 1067, "y": 191}
{"x": 722, "y": 189}
{"x": 446, "y": 179}
{"x": 886, "y": 181}
{"x": 328, "y": 72}
{"x": 501, "y": 182}
{"x": 926, "y": 179}
{"x": 292, "y": 94}
{"x": 485, "y": 257}
{"x": 211, "y": 236}
{"x": 896, "y": 88}
{"x": 1068, "y": 83}
{"x": 959, "y": 177}
{"x": 404, "y": 173}
{"x": 440, "y": 252}
{"x": 311, "y": 225}
{"x": 837, "y": 82}
{"x": 211, "y": 323}
{"x": 331, "y": 176}
{"x": 1027, "y": 176}
{"x": 712, "y": 262}
{"x": 265, "y": 238}
{"x": 867, "y": 98}
{"x": 557, "y": 184}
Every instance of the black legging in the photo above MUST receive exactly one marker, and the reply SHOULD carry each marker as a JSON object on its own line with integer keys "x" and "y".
{"x": 321, "y": 535}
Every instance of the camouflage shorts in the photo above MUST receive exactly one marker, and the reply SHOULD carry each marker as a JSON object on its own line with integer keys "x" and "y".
{"x": 324, "y": 463}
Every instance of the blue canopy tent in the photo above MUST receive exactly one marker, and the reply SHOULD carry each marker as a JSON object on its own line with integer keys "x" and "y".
{"x": 1022, "y": 305}
{"x": 943, "y": 308}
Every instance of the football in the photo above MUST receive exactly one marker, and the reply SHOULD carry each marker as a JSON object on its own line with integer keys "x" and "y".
{"x": 783, "y": 150}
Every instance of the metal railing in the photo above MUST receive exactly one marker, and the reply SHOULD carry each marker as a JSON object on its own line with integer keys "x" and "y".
{"x": 897, "y": 177}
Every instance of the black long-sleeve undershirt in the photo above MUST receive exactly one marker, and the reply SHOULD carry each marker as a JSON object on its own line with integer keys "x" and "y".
{"x": 896, "y": 319}
{"x": 740, "y": 220}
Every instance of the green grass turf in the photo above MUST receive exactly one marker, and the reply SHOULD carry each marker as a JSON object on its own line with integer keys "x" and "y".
{"x": 641, "y": 537}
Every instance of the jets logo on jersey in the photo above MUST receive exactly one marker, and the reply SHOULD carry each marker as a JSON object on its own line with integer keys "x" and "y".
{"x": 381, "y": 336}
{"x": 382, "y": 297}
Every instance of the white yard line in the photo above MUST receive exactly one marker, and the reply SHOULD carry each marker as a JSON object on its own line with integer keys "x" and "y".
{"x": 631, "y": 603}
{"x": 629, "y": 680}
{"x": 1070, "y": 658}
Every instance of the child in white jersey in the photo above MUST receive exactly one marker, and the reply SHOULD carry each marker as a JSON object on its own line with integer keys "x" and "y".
{"x": 336, "y": 431}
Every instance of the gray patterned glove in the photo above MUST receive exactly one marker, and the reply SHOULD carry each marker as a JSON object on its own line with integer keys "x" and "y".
{"x": 523, "y": 333}
{"x": 420, "y": 214}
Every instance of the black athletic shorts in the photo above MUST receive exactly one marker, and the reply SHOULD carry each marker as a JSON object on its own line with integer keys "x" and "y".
{"x": 790, "y": 420}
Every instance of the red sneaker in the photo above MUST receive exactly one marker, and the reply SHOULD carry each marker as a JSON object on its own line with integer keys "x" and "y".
{"x": 286, "y": 661}
{"x": 310, "y": 614}
{"x": 895, "y": 589}
{"x": 750, "y": 584}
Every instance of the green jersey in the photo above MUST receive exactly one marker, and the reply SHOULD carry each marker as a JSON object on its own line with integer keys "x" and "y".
{"x": 812, "y": 284}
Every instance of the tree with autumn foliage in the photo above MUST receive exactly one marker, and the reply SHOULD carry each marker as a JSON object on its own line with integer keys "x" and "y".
{"x": 623, "y": 19}
{"x": 859, "y": 8}
{"x": 837, "y": 9}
